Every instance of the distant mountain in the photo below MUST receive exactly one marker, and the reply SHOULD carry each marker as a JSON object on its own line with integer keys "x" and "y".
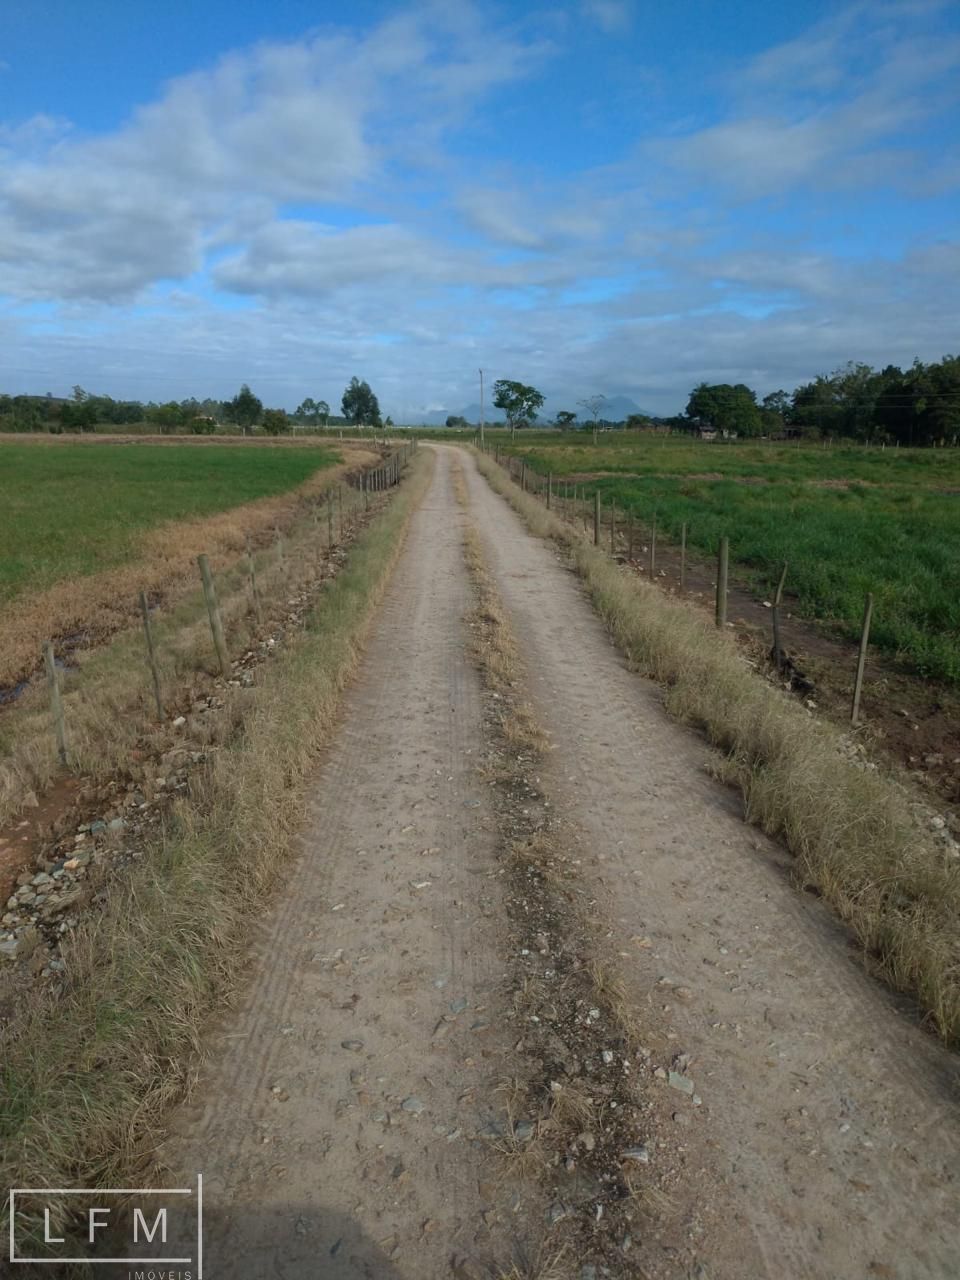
{"x": 615, "y": 409}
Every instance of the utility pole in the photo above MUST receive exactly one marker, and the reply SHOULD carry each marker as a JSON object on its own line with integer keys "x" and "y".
{"x": 481, "y": 411}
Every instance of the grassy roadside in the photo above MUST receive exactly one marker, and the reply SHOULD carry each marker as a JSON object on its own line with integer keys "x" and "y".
{"x": 851, "y": 828}
{"x": 86, "y": 1077}
{"x": 107, "y": 694}
{"x": 808, "y": 507}
{"x": 94, "y": 593}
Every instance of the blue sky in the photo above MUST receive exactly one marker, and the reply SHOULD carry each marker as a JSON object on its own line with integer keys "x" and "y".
{"x": 597, "y": 196}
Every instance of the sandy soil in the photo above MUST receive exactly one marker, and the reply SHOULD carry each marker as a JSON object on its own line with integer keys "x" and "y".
{"x": 340, "y": 1118}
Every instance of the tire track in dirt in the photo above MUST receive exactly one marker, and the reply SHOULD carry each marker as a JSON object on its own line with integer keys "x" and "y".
{"x": 833, "y": 1117}
{"x": 335, "y": 1121}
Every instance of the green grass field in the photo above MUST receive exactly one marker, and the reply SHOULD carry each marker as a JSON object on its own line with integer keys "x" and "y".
{"x": 847, "y": 520}
{"x": 70, "y": 510}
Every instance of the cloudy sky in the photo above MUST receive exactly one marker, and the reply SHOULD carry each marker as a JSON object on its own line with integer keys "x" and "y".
{"x": 612, "y": 196}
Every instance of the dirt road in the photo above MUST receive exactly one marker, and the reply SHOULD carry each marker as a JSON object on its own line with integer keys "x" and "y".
{"x": 346, "y": 1121}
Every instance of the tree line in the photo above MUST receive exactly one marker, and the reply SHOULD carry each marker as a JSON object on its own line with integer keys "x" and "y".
{"x": 915, "y": 406}
{"x": 912, "y": 407}
{"x": 82, "y": 411}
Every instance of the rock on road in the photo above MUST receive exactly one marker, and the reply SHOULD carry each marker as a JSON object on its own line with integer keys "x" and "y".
{"x": 341, "y": 1118}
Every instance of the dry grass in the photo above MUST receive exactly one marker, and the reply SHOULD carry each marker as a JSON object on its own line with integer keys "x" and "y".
{"x": 572, "y": 1111}
{"x": 851, "y": 829}
{"x": 459, "y": 485}
{"x": 88, "y": 1076}
{"x": 652, "y": 1199}
{"x": 611, "y": 992}
{"x": 495, "y": 650}
{"x": 549, "y": 1264}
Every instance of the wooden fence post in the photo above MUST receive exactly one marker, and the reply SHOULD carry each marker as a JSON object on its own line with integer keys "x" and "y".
{"x": 861, "y": 659}
{"x": 252, "y": 575}
{"x": 613, "y": 528}
{"x": 652, "y": 564}
{"x": 56, "y": 702}
{"x": 151, "y": 655}
{"x": 683, "y": 556}
{"x": 596, "y": 518}
{"x": 213, "y": 611}
{"x": 777, "y": 651}
{"x": 723, "y": 560}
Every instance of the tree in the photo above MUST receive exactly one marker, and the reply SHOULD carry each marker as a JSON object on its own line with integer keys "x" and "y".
{"x": 777, "y": 402}
{"x": 565, "y": 419}
{"x": 360, "y": 405}
{"x": 388, "y": 421}
{"x": 933, "y": 410}
{"x": 244, "y": 409}
{"x": 814, "y": 406}
{"x": 593, "y": 405}
{"x": 774, "y": 412}
{"x": 316, "y": 411}
{"x": 275, "y": 422}
{"x": 454, "y": 420}
{"x": 165, "y": 417}
{"x": 519, "y": 402}
{"x": 723, "y": 407}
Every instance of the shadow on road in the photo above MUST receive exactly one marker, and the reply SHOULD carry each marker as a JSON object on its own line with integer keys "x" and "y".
{"x": 292, "y": 1242}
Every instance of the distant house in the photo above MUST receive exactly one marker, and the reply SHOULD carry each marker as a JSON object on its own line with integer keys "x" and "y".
{"x": 706, "y": 433}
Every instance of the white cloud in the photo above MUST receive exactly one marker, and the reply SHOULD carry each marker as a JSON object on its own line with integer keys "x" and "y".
{"x": 612, "y": 16}
{"x": 839, "y": 107}
{"x": 311, "y": 121}
{"x": 292, "y": 258}
{"x": 501, "y": 215}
